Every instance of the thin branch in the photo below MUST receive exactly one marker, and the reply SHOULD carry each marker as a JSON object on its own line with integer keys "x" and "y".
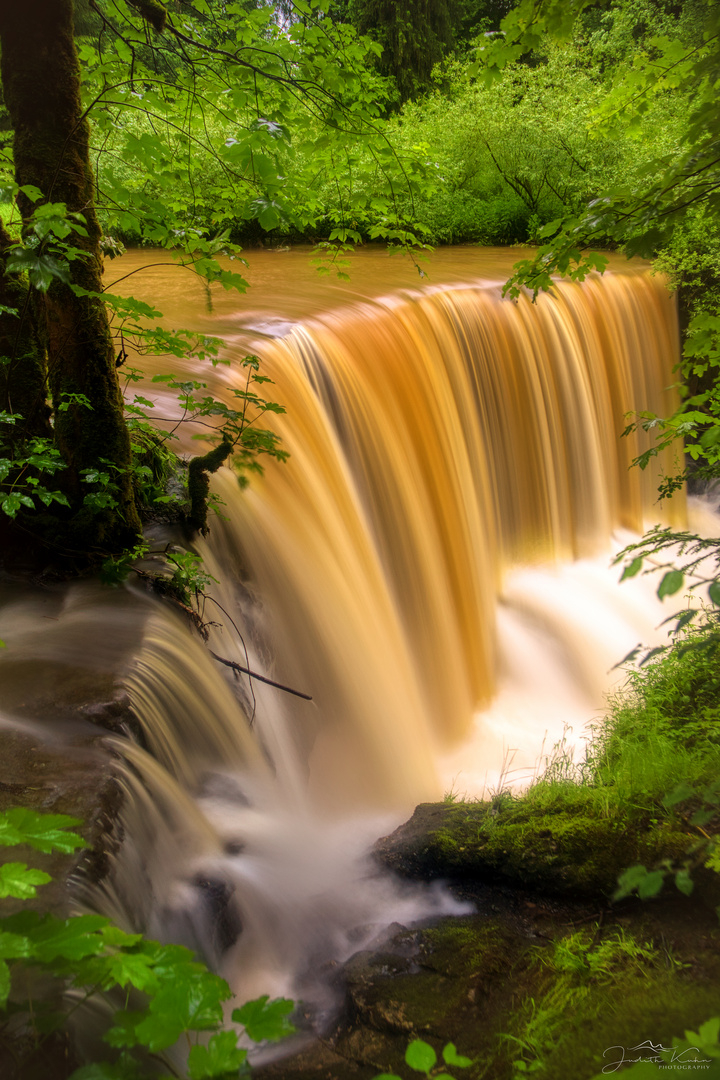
{"x": 260, "y": 678}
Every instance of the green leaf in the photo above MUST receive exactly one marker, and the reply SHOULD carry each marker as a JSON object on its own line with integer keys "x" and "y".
{"x": 420, "y": 1056}
{"x": 651, "y": 884}
{"x": 632, "y": 568}
{"x": 44, "y": 832}
{"x": 451, "y": 1057}
{"x": 132, "y": 968}
{"x": 671, "y": 583}
{"x": 646, "y": 882}
{"x": 41, "y": 269}
{"x": 68, "y": 939}
{"x": 220, "y": 1056}
{"x": 114, "y": 936}
{"x": 191, "y": 1000}
{"x": 679, "y": 794}
{"x": 15, "y": 946}
{"x": 684, "y": 882}
{"x": 16, "y": 880}
{"x": 714, "y": 593}
{"x": 10, "y": 504}
{"x": 709, "y": 1032}
{"x": 264, "y": 1019}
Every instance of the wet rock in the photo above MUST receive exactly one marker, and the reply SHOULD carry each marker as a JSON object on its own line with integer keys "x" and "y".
{"x": 221, "y": 914}
{"x": 74, "y": 776}
{"x": 115, "y": 715}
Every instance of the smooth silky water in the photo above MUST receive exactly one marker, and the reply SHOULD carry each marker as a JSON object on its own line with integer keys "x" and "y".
{"x": 431, "y": 565}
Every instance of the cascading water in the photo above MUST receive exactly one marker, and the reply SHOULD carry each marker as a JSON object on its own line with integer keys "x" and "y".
{"x": 437, "y": 440}
{"x": 416, "y": 567}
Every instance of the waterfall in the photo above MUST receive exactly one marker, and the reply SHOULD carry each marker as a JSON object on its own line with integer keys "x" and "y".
{"x": 438, "y": 440}
{"x": 428, "y": 565}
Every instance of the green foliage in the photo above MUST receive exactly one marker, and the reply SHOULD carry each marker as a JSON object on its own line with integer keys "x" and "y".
{"x": 670, "y": 72}
{"x": 515, "y": 155}
{"x": 274, "y": 121}
{"x": 173, "y": 994}
{"x": 698, "y": 809}
{"x": 44, "y": 832}
{"x": 24, "y": 474}
{"x": 578, "y": 965}
{"x": 264, "y": 1019}
{"x": 699, "y": 569}
{"x": 421, "y": 1057}
{"x": 44, "y": 251}
{"x": 233, "y": 425}
{"x": 222, "y": 118}
{"x": 188, "y": 576}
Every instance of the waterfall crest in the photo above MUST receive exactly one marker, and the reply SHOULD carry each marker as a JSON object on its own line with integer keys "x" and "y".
{"x": 438, "y": 439}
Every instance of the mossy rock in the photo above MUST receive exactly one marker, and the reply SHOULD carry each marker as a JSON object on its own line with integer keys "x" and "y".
{"x": 535, "y": 987}
{"x": 562, "y": 851}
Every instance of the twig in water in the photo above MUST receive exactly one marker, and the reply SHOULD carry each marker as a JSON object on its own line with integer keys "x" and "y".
{"x": 260, "y": 678}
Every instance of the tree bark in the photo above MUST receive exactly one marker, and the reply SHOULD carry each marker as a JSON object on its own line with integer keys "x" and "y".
{"x": 23, "y": 374}
{"x": 41, "y": 85}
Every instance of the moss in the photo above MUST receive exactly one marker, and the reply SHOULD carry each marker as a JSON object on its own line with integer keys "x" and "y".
{"x": 199, "y": 483}
{"x": 601, "y": 989}
{"x": 154, "y": 12}
{"x": 454, "y": 988}
{"x": 561, "y": 849}
{"x": 508, "y": 996}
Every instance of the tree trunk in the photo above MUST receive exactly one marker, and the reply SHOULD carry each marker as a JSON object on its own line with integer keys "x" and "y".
{"x": 23, "y": 375}
{"x": 41, "y": 85}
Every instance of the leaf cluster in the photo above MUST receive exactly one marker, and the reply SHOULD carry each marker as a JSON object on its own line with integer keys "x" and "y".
{"x": 173, "y": 993}
{"x": 689, "y": 561}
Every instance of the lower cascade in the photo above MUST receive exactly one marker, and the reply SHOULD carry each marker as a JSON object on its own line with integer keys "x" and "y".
{"x": 430, "y": 566}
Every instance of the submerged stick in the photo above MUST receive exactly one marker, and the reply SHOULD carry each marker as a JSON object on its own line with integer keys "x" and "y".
{"x": 260, "y": 678}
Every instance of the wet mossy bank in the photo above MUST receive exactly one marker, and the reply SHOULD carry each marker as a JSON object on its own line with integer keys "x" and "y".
{"x": 529, "y": 984}
{"x": 564, "y": 848}
{"x": 548, "y": 975}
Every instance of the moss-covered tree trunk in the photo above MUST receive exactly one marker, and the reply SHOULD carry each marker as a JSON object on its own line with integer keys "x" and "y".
{"x": 23, "y": 376}
{"x": 41, "y": 85}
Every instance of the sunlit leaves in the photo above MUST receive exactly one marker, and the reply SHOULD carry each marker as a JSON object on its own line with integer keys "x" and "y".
{"x": 44, "y": 832}
{"x": 264, "y": 90}
{"x": 19, "y": 881}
